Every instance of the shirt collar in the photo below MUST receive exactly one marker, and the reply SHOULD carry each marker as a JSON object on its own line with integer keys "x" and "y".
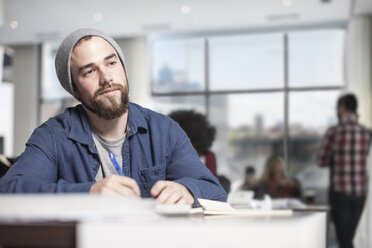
{"x": 81, "y": 131}
{"x": 136, "y": 120}
{"x": 79, "y": 127}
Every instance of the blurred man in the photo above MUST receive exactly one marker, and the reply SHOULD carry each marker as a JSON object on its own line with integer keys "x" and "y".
{"x": 249, "y": 178}
{"x": 345, "y": 149}
{"x": 106, "y": 144}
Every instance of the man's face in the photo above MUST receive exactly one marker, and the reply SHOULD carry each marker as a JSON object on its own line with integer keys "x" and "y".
{"x": 100, "y": 81}
{"x": 249, "y": 178}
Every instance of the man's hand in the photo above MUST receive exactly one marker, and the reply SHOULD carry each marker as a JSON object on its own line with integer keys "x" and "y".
{"x": 168, "y": 192}
{"x": 116, "y": 185}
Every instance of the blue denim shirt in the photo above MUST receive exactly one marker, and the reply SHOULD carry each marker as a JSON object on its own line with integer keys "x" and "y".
{"x": 60, "y": 156}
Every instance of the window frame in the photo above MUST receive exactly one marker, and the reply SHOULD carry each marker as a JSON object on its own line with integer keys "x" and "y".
{"x": 286, "y": 89}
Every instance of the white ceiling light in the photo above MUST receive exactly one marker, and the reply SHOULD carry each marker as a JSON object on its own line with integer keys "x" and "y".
{"x": 185, "y": 9}
{"x": 14, "y": 24}
{"x": 287, "y": 2}
{"x": 98, "y": 17}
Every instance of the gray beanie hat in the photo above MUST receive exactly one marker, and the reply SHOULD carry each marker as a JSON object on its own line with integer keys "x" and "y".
{"x": 63, "y": 55}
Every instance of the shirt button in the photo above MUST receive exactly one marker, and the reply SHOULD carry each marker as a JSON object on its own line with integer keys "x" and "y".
{"x": 95, "y": 167}
{"x": 156, "y": 172}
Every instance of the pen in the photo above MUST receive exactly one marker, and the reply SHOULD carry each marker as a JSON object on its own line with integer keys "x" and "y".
{"x": 117, "y": 167}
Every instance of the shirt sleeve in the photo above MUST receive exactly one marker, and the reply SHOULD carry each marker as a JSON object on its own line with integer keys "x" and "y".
{"x": 325, "y": 150}
{"x": 36, "y": 169}
{"x": 185, "y": 167}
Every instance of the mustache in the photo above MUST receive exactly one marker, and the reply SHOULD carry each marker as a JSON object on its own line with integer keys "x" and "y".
{"x": 109, "y": 86}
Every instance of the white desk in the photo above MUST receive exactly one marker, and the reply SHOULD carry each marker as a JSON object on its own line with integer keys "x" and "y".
{"x": 98, "y": 222}
{"x": 304, "y": 229}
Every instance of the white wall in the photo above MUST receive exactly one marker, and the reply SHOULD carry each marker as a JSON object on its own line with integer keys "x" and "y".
{"x": 6, "y": 116}
{"x": 6, "y": 108}
{"x": 358, "y": 67}
{"x": 137, "y": 63}
{"x": 25, "y": 94}
{"x": 1, "y": 13}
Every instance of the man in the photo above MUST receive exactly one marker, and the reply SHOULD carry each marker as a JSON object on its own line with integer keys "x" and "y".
{"x": 249, "y": 178}
{"x": 345, "y": 149}
{"x": 77, "y": 151}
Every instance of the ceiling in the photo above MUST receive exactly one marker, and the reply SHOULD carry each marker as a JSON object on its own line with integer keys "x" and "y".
{"x": 362, "y": 7}
{"x": 40, "y": 20}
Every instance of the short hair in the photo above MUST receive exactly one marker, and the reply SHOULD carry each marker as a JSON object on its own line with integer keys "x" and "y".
{"x": 249, "y": 170}
{"x": 349, "y": 101}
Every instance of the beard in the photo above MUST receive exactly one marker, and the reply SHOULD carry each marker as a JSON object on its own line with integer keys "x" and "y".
{"x": 108, "y": 108}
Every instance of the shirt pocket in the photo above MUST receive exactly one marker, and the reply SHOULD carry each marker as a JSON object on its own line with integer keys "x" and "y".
{"x": 150, "y": 176}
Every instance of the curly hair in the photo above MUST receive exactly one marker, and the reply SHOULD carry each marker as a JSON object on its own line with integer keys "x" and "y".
{"x": 197, "y": 127}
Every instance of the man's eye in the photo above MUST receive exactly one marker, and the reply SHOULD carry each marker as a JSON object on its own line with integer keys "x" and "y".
{"x": 112, "y": 62}
{"x": 87, "y": 73}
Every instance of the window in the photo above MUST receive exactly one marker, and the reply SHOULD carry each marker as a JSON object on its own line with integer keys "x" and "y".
{"x": 265, "y": 93}
{"x": 54, "y": 99}
{"x": 310, "y": 114}
{"x": 243, "y": 62}
{"x": 170, "y": 103}
{"x": 178, "y": 65}
{"x": 315, "y": 58}
{"x": 249, "y": 127}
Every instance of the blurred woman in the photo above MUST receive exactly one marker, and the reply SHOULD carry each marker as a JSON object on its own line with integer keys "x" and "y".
{"x": 274, "y": 181}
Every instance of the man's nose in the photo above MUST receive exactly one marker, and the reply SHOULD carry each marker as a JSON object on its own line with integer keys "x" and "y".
{"x": 105, "y": 76}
